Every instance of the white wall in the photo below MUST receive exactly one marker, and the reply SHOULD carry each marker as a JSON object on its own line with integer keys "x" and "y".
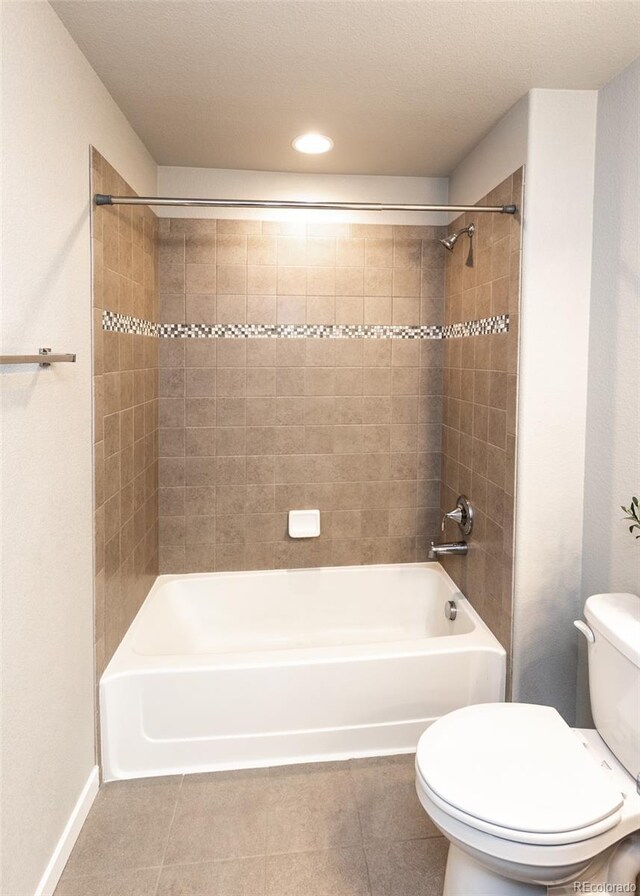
{"x": 611, "y": 560}
{"x": 217, "y": 183}
{"x": 501, "y": 152}
{"x": 612, "y": 557}
{"x": 54, "y": 106}
{"x": 556, "y": 284}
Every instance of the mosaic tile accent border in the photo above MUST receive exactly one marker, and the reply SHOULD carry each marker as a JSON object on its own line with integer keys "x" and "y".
{"x": 486, "y": 326}
{"x": 112, "y": 322}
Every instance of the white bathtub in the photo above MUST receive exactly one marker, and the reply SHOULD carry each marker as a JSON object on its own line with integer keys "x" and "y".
{"x": 232, "y": 670}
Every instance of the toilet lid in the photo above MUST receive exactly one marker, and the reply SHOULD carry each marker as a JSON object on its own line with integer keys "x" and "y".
{"x": 516, "y": 766}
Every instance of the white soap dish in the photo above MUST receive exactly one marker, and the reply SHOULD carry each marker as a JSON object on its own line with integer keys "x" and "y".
{"x": 304, "y": 523}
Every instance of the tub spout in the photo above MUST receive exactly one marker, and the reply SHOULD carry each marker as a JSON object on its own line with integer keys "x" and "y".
{"x": 451, "y": 548}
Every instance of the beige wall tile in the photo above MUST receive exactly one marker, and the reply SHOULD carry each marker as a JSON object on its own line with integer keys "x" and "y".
{"x": 261, "y": 280}
{"x": 321, "y": 309}
{"x": 292, "y": 251}
{"x": 228, "y": 225}
{"x": 252, "y": 428}
{"x": 377, "y": 310}
{"x": 321, "y": 251}
{"x": 231, "y": 249}
{"x": 479, "y": 413}
{"x": 406, "y": 281}
{"x": 292, "y": 281}
{"x": 195, "y": 248}
{"x": 349, "y": 253}
{"x": 231, "y": 309}
{"x": 405, "y": 311}
{"x": 261, "y": 309}
{"x": 321, "y": 281}
{"x": 198, "y": 309}
{"x": 125, "y": 402}
{"x": 407, "y": 253}
{"x": 262, "y": 250}
{"x": 349, "y": 310}
{"x": 230, "y": 279}
{"x": 349, "y": 281}
{"x": 291, "y": 309}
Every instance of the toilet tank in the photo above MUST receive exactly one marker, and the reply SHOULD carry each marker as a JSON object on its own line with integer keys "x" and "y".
{"x": 614, "y": 673}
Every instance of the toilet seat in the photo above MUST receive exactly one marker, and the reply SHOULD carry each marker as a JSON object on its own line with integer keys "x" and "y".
{"x": 564, "y": 838}
{"x": 517, "y": 772}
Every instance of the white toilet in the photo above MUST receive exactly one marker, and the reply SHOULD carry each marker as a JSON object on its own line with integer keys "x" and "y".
{"x": 531, "y": 806}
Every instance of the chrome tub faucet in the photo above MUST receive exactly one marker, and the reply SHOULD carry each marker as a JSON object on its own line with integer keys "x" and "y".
{"x": 462, "y": 514}
{"x": 449, "y": 549}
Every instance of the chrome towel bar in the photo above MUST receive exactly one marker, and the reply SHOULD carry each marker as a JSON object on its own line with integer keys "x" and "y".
{"x": 44, "y": 358}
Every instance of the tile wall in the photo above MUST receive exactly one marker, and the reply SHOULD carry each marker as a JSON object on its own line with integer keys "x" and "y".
{"x": 251, "y": 428}
{"x": 202, "y": 445}
{"x": 479, "y": 405}
{"x": 126, "y": 411}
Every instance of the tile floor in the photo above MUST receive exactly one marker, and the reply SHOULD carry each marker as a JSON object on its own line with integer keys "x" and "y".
{"x": 331, "y": 829}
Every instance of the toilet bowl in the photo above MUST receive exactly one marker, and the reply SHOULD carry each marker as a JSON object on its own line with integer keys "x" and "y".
{"x": 531, "y": 806}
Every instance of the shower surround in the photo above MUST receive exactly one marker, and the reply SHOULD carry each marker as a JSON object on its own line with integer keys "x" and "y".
{"x": 247, "y": 368}
{"x": 479, "y": 406}
{"x": 125, "y": 367}
{"x": 253, "y": 428}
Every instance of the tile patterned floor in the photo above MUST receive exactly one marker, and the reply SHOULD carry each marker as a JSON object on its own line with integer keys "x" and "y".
{"x": 330, "y": 829}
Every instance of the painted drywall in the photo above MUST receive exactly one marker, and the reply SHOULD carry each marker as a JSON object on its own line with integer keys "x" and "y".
{"x": 54, "y": 106}
{"x": 216, "y": 183}
{"x": 612, "y": 474}
{"x": 502, "y": 151}
{"x": 552, "y": 410}
{"x": 611, "y": 557}
{"x": 403, "y": 88}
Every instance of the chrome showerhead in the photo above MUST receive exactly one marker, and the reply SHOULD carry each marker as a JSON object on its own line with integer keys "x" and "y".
{"x": 449, "y": 241}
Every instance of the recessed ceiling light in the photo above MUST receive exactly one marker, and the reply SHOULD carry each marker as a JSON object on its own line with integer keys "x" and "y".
{"x": 312, "y": 143}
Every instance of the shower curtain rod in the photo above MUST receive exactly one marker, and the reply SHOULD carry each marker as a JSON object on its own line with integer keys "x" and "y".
{"x": 104, "y": 199}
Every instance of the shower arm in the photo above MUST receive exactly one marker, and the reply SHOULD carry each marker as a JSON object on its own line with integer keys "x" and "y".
{"x": 106, "y": 199}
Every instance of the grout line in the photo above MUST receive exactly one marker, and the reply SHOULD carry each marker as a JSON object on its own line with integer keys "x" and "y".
{"x": 362, "y": 843}
{"x": 155, "y": 889}
{"x": 169, "y": 830}
{"x": 112, "y": 873}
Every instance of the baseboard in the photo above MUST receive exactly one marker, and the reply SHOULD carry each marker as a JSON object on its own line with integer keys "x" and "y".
{"x": 55, "y": 867}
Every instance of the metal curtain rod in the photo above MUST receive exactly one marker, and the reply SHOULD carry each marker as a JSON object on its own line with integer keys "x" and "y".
{"x": 103, "y": 199}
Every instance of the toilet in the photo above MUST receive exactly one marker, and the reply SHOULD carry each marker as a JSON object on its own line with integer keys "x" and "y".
{"x": 532, "y": 806}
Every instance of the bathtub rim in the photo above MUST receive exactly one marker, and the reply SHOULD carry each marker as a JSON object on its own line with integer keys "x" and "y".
{"x": 126, "y": 660}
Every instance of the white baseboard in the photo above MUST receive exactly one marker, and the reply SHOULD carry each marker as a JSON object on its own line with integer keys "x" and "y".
{"x": 55, "y": 867}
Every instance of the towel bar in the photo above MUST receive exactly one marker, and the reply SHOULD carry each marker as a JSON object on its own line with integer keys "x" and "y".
{"x": 39, "y": 358}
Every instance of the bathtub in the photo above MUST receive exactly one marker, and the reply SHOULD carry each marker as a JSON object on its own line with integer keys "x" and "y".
{"x": 236, "y": 670}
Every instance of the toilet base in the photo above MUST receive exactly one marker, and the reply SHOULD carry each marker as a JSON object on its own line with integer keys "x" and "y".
{"x": 618, "y": 869}
{"x": 464, "y": 876}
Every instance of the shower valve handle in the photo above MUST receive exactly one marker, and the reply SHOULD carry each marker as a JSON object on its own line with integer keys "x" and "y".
{"x": 455, "y": 515}
{"x": 462, "y": 514}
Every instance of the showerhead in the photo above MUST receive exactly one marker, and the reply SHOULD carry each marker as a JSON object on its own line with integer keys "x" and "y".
{"x": 449, "y": 241}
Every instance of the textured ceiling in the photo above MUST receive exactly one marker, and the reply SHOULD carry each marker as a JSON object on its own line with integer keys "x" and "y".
{"x": 401, "y": 87}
